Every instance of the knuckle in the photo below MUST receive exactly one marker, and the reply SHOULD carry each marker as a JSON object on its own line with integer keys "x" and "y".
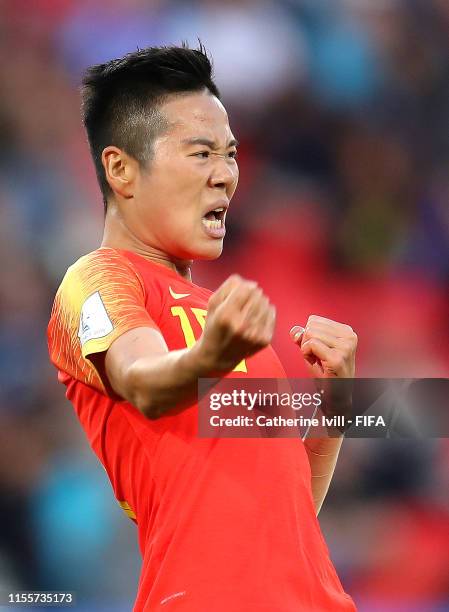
{"x": 251, "y": 338}
{"x": 306, "y": 337}
{"x": 349, "y": 346}
{"x": 268, "y": 334}
{"x": 309, "y": 334}
{"x": 262, "y": 339}
{"x": 264, "y": 303}
{"x": 234, "y": 278}
{"x": 254, "y": 296}
{"x": 252, "y": 286}
{"x": 338, "y": 361}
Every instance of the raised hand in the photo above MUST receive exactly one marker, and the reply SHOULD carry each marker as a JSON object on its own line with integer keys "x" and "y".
{"x": 327, "y": 346}
{"x": 240, "y": 321}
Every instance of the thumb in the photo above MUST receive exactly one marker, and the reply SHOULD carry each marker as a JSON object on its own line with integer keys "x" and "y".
{"x": 296, "y": 334}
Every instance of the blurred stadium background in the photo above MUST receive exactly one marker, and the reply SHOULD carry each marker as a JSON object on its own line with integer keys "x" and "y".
{"x": 342, "y": 110}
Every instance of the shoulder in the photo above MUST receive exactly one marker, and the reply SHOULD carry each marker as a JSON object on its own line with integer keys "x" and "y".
{"x": 104, "y": 261}
{"x": 103, "y": 280}
{"x": 104, "y": 269}
{"x": 100, "y": 297}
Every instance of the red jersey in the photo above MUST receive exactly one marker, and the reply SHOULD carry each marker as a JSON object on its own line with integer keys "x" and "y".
{"x": 224, "y": 525}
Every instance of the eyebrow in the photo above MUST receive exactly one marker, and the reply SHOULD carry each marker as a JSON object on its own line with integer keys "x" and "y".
{"x": 208, "y": 143}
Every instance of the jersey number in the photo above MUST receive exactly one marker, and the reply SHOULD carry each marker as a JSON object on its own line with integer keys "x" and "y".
{"x": 189, "y": 337}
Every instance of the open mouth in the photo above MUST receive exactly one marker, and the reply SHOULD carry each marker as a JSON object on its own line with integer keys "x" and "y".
{"x": 214, "y": 219}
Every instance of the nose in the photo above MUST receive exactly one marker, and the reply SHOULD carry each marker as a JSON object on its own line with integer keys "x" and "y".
{"x": 224, "y": 174}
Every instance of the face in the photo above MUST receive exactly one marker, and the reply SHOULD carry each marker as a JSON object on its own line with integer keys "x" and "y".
{"x": 179, "y": 204}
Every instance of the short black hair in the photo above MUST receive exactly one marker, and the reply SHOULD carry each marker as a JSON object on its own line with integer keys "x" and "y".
{"x": 121, "y": 99}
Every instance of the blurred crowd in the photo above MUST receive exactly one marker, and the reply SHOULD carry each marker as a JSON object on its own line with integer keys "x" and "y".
{"x": 342, "y": 111}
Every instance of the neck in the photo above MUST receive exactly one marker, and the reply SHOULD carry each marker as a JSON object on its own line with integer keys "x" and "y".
{"x": 117, "y": 235}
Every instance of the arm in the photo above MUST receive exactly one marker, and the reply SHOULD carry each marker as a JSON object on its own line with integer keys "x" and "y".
{"x": 322, "y": 454}
{"x": 139, "y": 367}
{"x": 329, "y": 350}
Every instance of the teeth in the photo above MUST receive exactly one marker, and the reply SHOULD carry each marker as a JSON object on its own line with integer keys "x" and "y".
{"x": 212, "y": 224}
{"x": 219, "y": 209}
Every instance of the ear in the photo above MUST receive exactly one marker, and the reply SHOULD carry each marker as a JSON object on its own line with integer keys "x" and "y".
{"x": 120, "y": 170}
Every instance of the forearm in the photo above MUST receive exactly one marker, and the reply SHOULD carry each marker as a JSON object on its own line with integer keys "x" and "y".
{"x": 322, "y": 454}
{"x": 166, "y": 382}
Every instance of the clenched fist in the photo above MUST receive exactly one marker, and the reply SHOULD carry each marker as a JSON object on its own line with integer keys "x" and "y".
{"x": 327, "y": 346}
{"x": 329, "y": 350}
{"x": 240, "y": 321}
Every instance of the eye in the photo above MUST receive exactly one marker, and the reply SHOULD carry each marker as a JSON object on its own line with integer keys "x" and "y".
{"x": 202, "y": 154}
{"x": 233, "y": 154}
